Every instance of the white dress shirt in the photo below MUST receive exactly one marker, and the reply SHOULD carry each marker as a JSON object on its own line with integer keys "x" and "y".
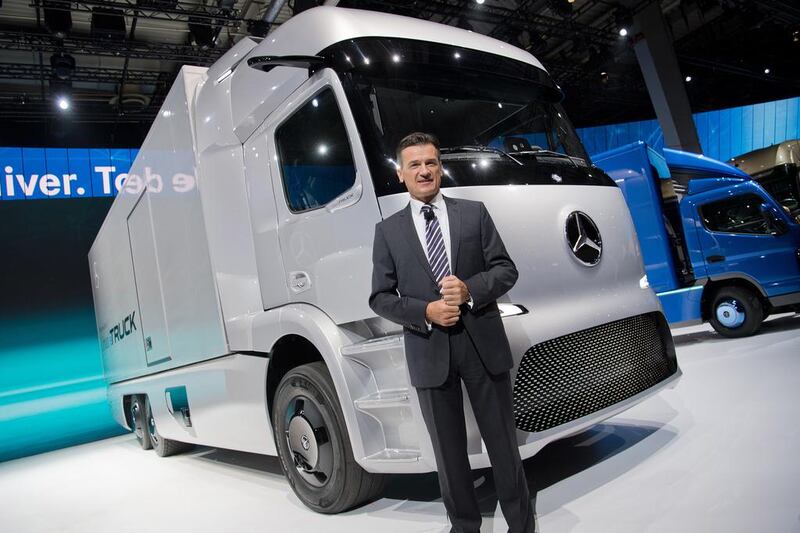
{"x": 440, "y": 210}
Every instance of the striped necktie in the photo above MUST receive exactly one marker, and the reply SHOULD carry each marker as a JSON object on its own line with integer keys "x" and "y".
{"x": 437, "y": 255}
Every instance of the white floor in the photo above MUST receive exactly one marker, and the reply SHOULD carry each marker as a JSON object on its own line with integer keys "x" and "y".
{"x": 721, "y": 453}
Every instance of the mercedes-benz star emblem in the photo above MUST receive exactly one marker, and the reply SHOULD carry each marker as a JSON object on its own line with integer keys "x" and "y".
{"x": 583, "y": 238}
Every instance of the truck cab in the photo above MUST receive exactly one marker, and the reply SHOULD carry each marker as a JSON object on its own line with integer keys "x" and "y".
{"x": 717, "y": 245}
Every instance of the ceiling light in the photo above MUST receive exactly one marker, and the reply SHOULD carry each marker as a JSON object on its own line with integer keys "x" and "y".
{"x": 479, "y": 1}
{"x": 688, "y": 79}
{"x": 623, "y": 19}
{"x": 396, "y": 58}
{"x": 63, "y": 65}
{"x": 766, "y": 71}
{"x": 63, "y": 103}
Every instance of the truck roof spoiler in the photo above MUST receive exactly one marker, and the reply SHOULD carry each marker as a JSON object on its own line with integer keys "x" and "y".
{"x": 700, "y": 164}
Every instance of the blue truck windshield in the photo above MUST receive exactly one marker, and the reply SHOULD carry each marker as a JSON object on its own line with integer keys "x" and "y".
{"x": 498, "y": 120}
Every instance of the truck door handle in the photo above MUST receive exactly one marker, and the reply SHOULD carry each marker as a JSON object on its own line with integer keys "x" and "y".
{"x": 299, "y": 281}
{"x": 715, "y": 258}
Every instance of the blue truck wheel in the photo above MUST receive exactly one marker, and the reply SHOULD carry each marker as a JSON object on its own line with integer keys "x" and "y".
{"x": 736, "y": 312}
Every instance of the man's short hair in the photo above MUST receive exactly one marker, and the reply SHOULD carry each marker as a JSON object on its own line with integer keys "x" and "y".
{"x": 417, "y": 138}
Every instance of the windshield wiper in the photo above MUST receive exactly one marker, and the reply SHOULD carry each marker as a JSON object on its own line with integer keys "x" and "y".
{"x": 479, "y": 148}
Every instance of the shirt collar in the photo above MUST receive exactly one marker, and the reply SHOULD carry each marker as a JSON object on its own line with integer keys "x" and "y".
{"x": 437, "y": 203}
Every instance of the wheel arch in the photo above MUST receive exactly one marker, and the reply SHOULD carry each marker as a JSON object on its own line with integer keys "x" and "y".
{"x": 731, "y": 280}
{"x": 297, "y": 334}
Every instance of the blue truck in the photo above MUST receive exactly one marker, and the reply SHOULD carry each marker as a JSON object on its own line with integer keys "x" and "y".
{"x": 717, "y": 246}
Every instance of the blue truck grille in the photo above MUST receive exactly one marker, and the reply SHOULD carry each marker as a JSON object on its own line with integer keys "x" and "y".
{"x": 568, "y": 377}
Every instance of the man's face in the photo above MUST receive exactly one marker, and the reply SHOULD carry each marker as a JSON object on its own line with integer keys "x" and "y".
{"x": 421, "y": 171}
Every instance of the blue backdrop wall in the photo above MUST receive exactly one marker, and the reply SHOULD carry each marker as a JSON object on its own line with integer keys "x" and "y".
{"x": 52, "y": 202}
{"x": 723, "y": 134}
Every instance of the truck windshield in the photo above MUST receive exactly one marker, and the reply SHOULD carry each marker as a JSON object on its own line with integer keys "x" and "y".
{"x": 498, "y": 120}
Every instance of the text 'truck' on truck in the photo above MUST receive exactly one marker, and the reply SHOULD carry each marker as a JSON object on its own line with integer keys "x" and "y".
{"x": 232, "y": 273}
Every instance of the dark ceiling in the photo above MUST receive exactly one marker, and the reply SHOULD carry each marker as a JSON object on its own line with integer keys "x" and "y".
{"x": 118, "y": 65}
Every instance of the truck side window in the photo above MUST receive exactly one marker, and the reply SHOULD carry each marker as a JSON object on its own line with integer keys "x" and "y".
{"x": 314, "y": 154}
{"x": 740, "y": 214}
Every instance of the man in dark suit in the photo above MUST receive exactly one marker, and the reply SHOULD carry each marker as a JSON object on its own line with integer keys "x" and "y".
{"x": 439, "y": 266}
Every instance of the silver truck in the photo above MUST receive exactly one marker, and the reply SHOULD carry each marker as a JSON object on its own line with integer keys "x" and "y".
{"x": 232, "y": 273}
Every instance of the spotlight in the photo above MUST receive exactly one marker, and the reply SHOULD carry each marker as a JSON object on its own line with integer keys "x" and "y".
{"x": 796, "y": 36}
{"x": 623, "y": 19}
{"x": 766, "y": 71}
{"x": 688, "y": 79}
{"x": 604, "y": 77}
{"x": 396, "y": 58}
{"x": 201, "y": 33}
{"x": 57, "y": 17}
{"x": 258, "y": 28}
{"x": 63, "y": 103}
{"x": 532, "y": 41}
{"x": 63, "y": 65}
{"x": 479, "y": 1}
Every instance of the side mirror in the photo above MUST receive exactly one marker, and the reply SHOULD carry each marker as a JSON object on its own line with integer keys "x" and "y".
{"x": 776, "y": 224}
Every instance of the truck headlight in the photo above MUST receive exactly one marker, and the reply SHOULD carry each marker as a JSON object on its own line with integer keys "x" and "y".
{"x": 511, "y": 310}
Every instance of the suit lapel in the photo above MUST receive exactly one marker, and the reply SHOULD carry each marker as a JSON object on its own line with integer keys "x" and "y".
{"x": 410, "y": 232}
{"x": 454, "y": 219}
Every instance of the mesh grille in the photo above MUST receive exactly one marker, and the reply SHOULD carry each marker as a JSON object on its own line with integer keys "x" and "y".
{"x": 568, "y": 377}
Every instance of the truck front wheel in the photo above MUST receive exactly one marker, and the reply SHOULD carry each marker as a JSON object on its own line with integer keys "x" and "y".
{"x": 736, "y": 312}
{"x": 314, "y": 446}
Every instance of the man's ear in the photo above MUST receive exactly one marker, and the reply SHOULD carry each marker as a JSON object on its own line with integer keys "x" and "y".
{"x": 399, "y": 176}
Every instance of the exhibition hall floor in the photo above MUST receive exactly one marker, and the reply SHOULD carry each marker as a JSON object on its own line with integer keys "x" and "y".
{"x": 717, "y": 454}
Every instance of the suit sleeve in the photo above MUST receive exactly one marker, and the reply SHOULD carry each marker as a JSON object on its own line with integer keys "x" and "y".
{"x": 500, "y": 273}
{"x": 385, "y": 299}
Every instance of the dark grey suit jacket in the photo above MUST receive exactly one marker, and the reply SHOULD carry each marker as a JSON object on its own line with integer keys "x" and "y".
{"x": 403, "y": 285}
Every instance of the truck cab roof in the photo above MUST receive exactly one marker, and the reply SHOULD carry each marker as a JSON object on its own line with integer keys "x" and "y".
{"x": 701, "y": 165}
{"x": 757, "y": 161}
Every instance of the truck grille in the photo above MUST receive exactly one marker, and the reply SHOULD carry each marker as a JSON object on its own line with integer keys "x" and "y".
{"x": 568, "y": 377}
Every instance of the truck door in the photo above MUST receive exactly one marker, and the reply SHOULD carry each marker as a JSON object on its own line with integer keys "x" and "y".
{"x": 325, "y": 201}
{"x": 736, "y": 238}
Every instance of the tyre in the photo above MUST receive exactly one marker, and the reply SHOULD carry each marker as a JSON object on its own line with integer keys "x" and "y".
{"x": 138, "y": 424}
{"x": 314, "y": 446}
{"x": 736, "y": 312}
{"x": 163, "y": 447}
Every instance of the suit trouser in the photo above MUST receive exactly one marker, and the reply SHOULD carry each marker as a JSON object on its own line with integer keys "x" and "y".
{"x": 492, "y": 403}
